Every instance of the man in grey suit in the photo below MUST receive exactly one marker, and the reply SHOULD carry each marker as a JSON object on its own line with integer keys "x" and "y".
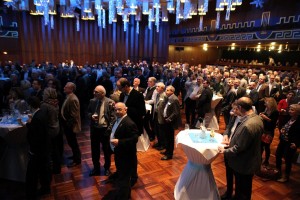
{"x": 243, "y": 152}
{"x": 101, "y": 113}
{"x": 172, "y": 119}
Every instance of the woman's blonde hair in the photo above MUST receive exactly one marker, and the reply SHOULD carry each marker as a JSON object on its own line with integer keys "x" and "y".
{"x": 272, "y": 102}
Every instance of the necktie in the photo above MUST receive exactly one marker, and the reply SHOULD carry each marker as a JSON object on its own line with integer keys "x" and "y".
{"x": 156, "y": 102}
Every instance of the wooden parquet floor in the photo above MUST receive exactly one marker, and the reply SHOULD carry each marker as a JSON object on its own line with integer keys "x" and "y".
{"x": 156, "y": 178}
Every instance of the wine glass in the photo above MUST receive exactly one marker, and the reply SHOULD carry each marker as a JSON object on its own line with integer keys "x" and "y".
{"x": 95, "y": 117}
{"x": 186, "y": 127}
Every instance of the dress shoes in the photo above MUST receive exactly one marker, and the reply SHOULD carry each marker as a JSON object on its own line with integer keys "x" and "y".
{"x": 163, "y": 153}
{"x": 133, "y": 182}
{"x": 155, "y": 145}
{"x": 95, "y": 172}
{"x": 107, "y": 172}
{"x": 226, "y": 196}
{"x": 43, "y": 191}
{"x": 73, "y": 164}
{"x": 113, "y": 176}
{"x": 166, "y": 157}
{"x": 159, "y": 148}
{"x": 70, "y": 157}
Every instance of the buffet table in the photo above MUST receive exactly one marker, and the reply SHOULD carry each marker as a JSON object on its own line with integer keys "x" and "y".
{"x": 14, "y": 149}
{"x": 196, "y": 180}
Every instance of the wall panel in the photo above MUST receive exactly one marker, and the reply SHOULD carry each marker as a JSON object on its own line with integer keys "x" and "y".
{"x": 93, "y": 44}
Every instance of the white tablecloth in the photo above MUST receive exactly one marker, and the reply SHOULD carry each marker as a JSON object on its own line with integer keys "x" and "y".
{"x": 143, "y": 142}
{"x": 196, "y": 180}
{"x": 13, "y": 154}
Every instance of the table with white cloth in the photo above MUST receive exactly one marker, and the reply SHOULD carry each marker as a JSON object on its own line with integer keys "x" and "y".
{"x": 13, "y": 151}
{"x": 196, "y": 180}
{"x": 211, "y": 120}
{"x": 143, "y": 140}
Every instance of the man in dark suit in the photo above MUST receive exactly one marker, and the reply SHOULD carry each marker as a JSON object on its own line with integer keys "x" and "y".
{"x": 134, "y": 101}
{"x": 143, "y": 81}
{"x": 297, "y": 93}
{"x": 70, "y": 113}
{"x": 37, "y": 89}
{"x": 243, "y": 152}
{"x": 38, "y": 168}
{"x": 262, "y": 93}
{"x": 101, "y": 113}
{"x": 183, "y": 79}
{"x": 204, "y": 101}
{"x": 172, "y": 119}
{"x": 253, "y": 94}
{"x": 124, "y": 136}
{"x": 273, "y": 87}
{"x": 229, "y": 98}
{"x": 175, "y": 82}
{"x": 136, "y": 110}
{"x": 240, "y": 91}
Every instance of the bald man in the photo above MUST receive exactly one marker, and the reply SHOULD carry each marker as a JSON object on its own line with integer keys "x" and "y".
{"x": 101, "y": 114}
{"x": 124, "y": 136}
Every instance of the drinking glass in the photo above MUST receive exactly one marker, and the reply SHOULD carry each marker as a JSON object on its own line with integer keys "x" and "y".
{"x": 186, "y": 127}
{"x": 212, "y": 134}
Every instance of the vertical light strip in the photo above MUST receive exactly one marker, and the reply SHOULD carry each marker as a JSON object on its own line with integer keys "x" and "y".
{"x": 157, "y": 19}
{"x": 201, "y": 23}
{"x": 218, "y": 21}
{"x": 227, "y": 17}
{"x": 177, "y": 11}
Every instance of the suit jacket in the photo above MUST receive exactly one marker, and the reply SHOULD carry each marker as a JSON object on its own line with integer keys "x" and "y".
{"x": 71, "y": 113}
{"x": 241, "y": 91}
{"x": 263, "y": 92}
{"x": 176, "y": 85}
{"x": 230, "y": 125}
{"x": 204, "y": 102}
{"x": 173, "y": 111}
{"x": 244, "y": 154}
{"x": 229, "y": 98}
{"x": 143, "y": 81}
{"x": 37, "y": 135}
{"x": 293, "y": 134}
{"x": 108, "y": 112}
{"x": 127, "y": 133}
{"x": 253, "y": 95}
{"x": 136, "y": 108}
{"x": 274, "y": 89}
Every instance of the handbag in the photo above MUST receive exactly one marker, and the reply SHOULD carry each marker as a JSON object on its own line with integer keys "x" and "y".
{"x": 267, "y": 138}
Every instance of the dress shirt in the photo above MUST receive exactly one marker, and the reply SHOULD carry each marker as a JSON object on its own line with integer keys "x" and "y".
{"x": 102, "y": 122}
{"x": 113, "y": 130}
{"x": 63, "y": 107}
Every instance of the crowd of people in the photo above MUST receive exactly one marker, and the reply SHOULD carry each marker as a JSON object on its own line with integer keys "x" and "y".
{"x": 112, "y": 96}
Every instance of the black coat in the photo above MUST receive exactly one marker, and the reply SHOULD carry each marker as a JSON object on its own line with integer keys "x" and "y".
{"x": 135, "y": 108}
{"x": 37, "y": 135}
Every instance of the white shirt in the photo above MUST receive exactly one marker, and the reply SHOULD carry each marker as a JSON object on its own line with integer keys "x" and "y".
{"x": 113, "y": 130}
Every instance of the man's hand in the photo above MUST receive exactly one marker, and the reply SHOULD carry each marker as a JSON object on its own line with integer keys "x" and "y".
{"x": 221, "y": 149}
{"x": 225, "y": 140}
{"x": 114, "y": 142}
